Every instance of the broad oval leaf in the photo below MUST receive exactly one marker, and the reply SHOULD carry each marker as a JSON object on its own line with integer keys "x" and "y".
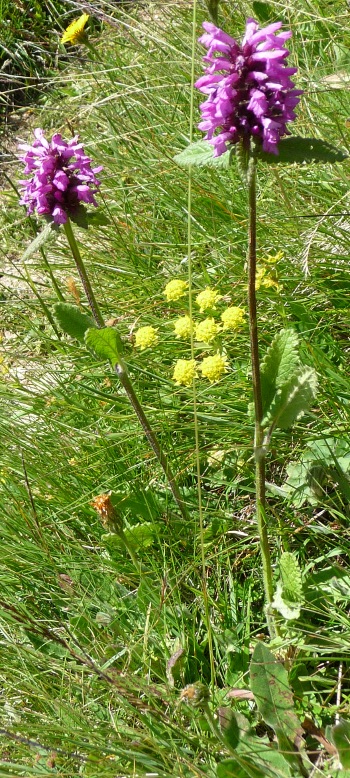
{"x": 279, "y": 362}
{"x": 201, "y": 154}
{"x": 272, "y": 693}
{"x": 71, "y": 320}
{"x": 303, "y": 150}
{"x": 105, "y": 343}
{"x": 292, "y": 400}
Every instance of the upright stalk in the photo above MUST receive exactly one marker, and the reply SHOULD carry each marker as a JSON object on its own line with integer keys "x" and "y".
{"x": 259, "y": 451}
{"x": 83, "y": 274}
{"x": 122, "y": 372}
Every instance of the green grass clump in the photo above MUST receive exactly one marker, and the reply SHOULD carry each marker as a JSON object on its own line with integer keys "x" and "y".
{"x": 95, "y": 649}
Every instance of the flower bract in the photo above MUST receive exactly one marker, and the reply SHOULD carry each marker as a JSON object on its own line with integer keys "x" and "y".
{"x": 175, "y": 289}
{"x": 232, "y": 318}
{"x": 207, "y": 299}
{"x": 145, "y": 337}
{"x": 183, "y": 327}
{"x": 184, "y": 372}
{"x": 207, "y": 330}
{"x": 75, "y": 32}
{"x": 61, "y": 177}
{"x": 213, "y": 367}
{"x": 250, "y": 92}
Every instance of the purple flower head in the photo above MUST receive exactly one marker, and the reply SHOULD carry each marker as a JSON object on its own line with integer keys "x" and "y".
{"x": 61, "y": 177}
{"x": 250, "y": 92}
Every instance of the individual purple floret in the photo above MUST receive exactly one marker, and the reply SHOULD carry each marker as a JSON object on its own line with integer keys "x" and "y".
{"x": 253, "y": 96}
{"x": 61, "y": 177}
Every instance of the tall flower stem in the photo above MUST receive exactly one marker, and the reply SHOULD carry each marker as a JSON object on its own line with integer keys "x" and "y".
{"x": 259, "y": 451}
{"x": 123, "y": 375}
{"x": 83, "y": 274}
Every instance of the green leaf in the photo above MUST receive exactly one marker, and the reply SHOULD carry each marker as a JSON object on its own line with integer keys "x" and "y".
{"x": 239, "y": 768}
{"x": 262, "y": 11}
{"x": 291, "y": 577}
{"x": 279, "y": 362}
{"x": 341, "y": 739}
{"x": 273, "y": 696}
{"x": 105, "y": 343}
{"x": 98, "y": 219}
{"x": 71, "y": 320}
{"x": 303, "y": 150}
{"x": 292, "y": 400}
{"x": 230, "y": 728}
{"x": 289, "y": 610}
{"x": 201, "y": 154}
{"x": 49, "y": 230}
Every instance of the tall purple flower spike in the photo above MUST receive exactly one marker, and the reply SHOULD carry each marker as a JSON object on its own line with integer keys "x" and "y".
{"x": 254, "y": 95}
{"x": 61, "y": 177}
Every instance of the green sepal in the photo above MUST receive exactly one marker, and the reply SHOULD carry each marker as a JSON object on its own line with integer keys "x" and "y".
{"x": 201, "y": 154}
{"x": 105, "y": 342}
{"x": 303, "y": 150}
{"x": 72, "y": 320}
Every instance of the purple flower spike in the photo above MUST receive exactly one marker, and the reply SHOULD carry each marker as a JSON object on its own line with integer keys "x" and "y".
{"x": 61, "y": 177}
{"x": 253, "y": 95}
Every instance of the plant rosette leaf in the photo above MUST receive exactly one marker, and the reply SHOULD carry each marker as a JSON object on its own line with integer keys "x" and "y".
{"x": 105, "y": 343}
{"x": 72, "y": 320}
{"x": 272, "y": 693}
{"x": 340, "y": 735}
{"x": 289, "y": 591}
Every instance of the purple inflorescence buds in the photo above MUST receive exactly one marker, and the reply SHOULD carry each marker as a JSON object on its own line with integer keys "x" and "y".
{"x": 253, "y": 95}
{"x": 61, "y": 177}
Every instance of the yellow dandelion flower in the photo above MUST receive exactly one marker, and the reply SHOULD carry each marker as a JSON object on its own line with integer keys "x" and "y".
{"x": 213, "y": 367}
{"x": 183, "y": 327}
{"x": 207, "y": 299}
{"x": 184, "y": 372}
{"x": 175, "y": 289}
{"x": 207, "y": 330}
{"x": 75, "y": 32}
{"x": 145, "y": 337}
{"x": 232, "y": 317}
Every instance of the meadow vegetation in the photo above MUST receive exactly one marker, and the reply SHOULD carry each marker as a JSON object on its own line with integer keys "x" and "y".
{"x": 124, "y": 630}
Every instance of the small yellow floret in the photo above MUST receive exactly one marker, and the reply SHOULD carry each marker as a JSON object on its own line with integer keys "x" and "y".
{"x": 213, "y": 367}
{"x": 75, "y": 32}
{"x": 207, "y": 299}
{"x": 184, "y": 372}
{"x": 183, "y": 327}
{"x": 232, "y": 317}
{"x": 272, "y": 259}
{"x": 207, "y": 330}
{"x": 145, "y": 337}
{"x": 264, "y": 278}
{"x": 175, "y": 289}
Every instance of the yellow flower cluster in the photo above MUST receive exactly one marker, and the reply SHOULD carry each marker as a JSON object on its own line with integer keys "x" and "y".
{"x": 207, "y": 299}
{"x": 264, "y": 278}
{"x": 214, "y": 367}
{"x": 75, "y": 32}
{"x": 207, "y": 330}
{"x": 232, "y": 318}
{"x": 145, "y": 337}
{"x": 184, "y": 372}
{"x": 183, "y": 327}
{"x": 175, "y": 289}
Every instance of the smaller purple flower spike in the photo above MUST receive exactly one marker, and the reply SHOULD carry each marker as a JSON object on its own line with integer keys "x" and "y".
{"x": 253, "y": 95}
{"x": 61, "y": 177}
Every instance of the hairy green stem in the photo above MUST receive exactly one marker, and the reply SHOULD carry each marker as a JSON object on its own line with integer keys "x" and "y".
{"x": 83, "y": 274}
{"x": 123, "y": 375}
{"x": 259, "y": 450}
